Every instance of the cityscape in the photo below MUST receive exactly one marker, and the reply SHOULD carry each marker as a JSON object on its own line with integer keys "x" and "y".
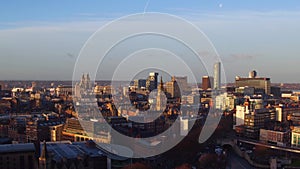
{"x": 41, "y": 125}
{"x": 149, "y": 85}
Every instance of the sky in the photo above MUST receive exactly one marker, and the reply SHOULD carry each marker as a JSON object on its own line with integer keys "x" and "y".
{"x": 41, "y": 40}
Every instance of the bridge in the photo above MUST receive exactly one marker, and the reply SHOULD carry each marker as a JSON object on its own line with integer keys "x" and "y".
{"x": 281, "y": 148}
{"x": 243, "y": 154}
{"x": 233, "y": 141}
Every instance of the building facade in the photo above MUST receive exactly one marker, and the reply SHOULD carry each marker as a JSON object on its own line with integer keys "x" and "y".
{"x": 280, "y": 138}
{"x": 259, "y": 83}
{"x": 207, "y": 82}
{"x": 14, "y": 156}
{"x": 152, "y": 81}
{"x": 217, "y": 75}
{"x": 295, "y": 139}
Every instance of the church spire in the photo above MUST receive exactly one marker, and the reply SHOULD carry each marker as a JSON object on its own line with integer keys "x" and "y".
{"x": 43, "y": 160}
{"x": 44, "y": 154}
{"x": 161, "y": 85}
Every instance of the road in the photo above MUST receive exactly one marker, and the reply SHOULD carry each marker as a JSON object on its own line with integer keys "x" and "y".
{"x": 237, "y": 162}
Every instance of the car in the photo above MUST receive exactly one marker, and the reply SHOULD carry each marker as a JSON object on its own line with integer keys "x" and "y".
{"x": 249, "y": 151}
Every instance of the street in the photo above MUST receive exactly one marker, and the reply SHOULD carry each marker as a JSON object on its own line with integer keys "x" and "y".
{"x": 237, "y": 162}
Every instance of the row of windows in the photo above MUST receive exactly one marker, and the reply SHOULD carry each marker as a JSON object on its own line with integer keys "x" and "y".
{"x": 296, "y": 139}
{"x": 12, "y": 162}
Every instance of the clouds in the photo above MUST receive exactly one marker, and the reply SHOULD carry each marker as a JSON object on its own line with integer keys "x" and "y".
{"x": 238, "y": 57}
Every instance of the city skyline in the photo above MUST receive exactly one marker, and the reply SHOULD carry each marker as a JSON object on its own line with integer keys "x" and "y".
{"x": 256, "y": 35}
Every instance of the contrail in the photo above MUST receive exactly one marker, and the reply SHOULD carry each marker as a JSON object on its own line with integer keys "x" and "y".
{"x": 146, "y": 6}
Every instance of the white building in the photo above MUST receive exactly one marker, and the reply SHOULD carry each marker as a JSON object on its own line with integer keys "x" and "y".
{"x": 240, "y": 115}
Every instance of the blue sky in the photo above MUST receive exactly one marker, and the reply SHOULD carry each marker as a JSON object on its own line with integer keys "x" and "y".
{"x": 40, "y": 40}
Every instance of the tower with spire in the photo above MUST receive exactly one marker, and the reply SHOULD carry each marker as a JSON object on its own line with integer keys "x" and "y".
{"x": 85, "y": 82}
{"x": 160, "y": 99}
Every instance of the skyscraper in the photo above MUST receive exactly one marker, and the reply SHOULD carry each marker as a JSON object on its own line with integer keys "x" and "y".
{"x": 217, "y": 75}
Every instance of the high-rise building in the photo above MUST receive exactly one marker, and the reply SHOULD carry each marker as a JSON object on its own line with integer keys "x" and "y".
{"x": 172, "y": 88}
{"x": 217, "y": 75}
{"x": 151, "y": 82}
{"x": 182, "y": 83}
{"x": 207, "y": 82}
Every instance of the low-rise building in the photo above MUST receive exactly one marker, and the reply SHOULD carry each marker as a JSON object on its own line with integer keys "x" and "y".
{"x": 17, "y": 156}
{"x": 280, "y": 138}
{"x": 83, "y": 130}
{"x": 295, "y": 139}
{"x": 85, "y": 155}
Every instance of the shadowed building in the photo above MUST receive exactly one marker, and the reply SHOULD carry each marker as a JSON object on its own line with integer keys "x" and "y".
{"x": 182, "y": 83}
{"x": 17, "y": 156}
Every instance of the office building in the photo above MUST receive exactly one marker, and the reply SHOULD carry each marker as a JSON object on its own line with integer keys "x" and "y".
{"x": 280, "y": 138}
{"x": 64, "y": 90}
{"x": 182, "y": 82}
{"x": 256, "y": 120}
{"x": 83, "y": 130}
{"x": 217, "y": 75}
{"x": 283, "y": 113}
{"x": 172, "y": 89}
{"x": 261, "y": 84}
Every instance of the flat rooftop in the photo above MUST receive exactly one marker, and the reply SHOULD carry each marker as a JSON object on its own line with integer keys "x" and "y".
{"x": 13, "y": 148}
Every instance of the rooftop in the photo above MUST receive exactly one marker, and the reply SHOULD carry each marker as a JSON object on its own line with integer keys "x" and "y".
{"x": 11, "y": 148}
{"x": 69, "y": 150}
